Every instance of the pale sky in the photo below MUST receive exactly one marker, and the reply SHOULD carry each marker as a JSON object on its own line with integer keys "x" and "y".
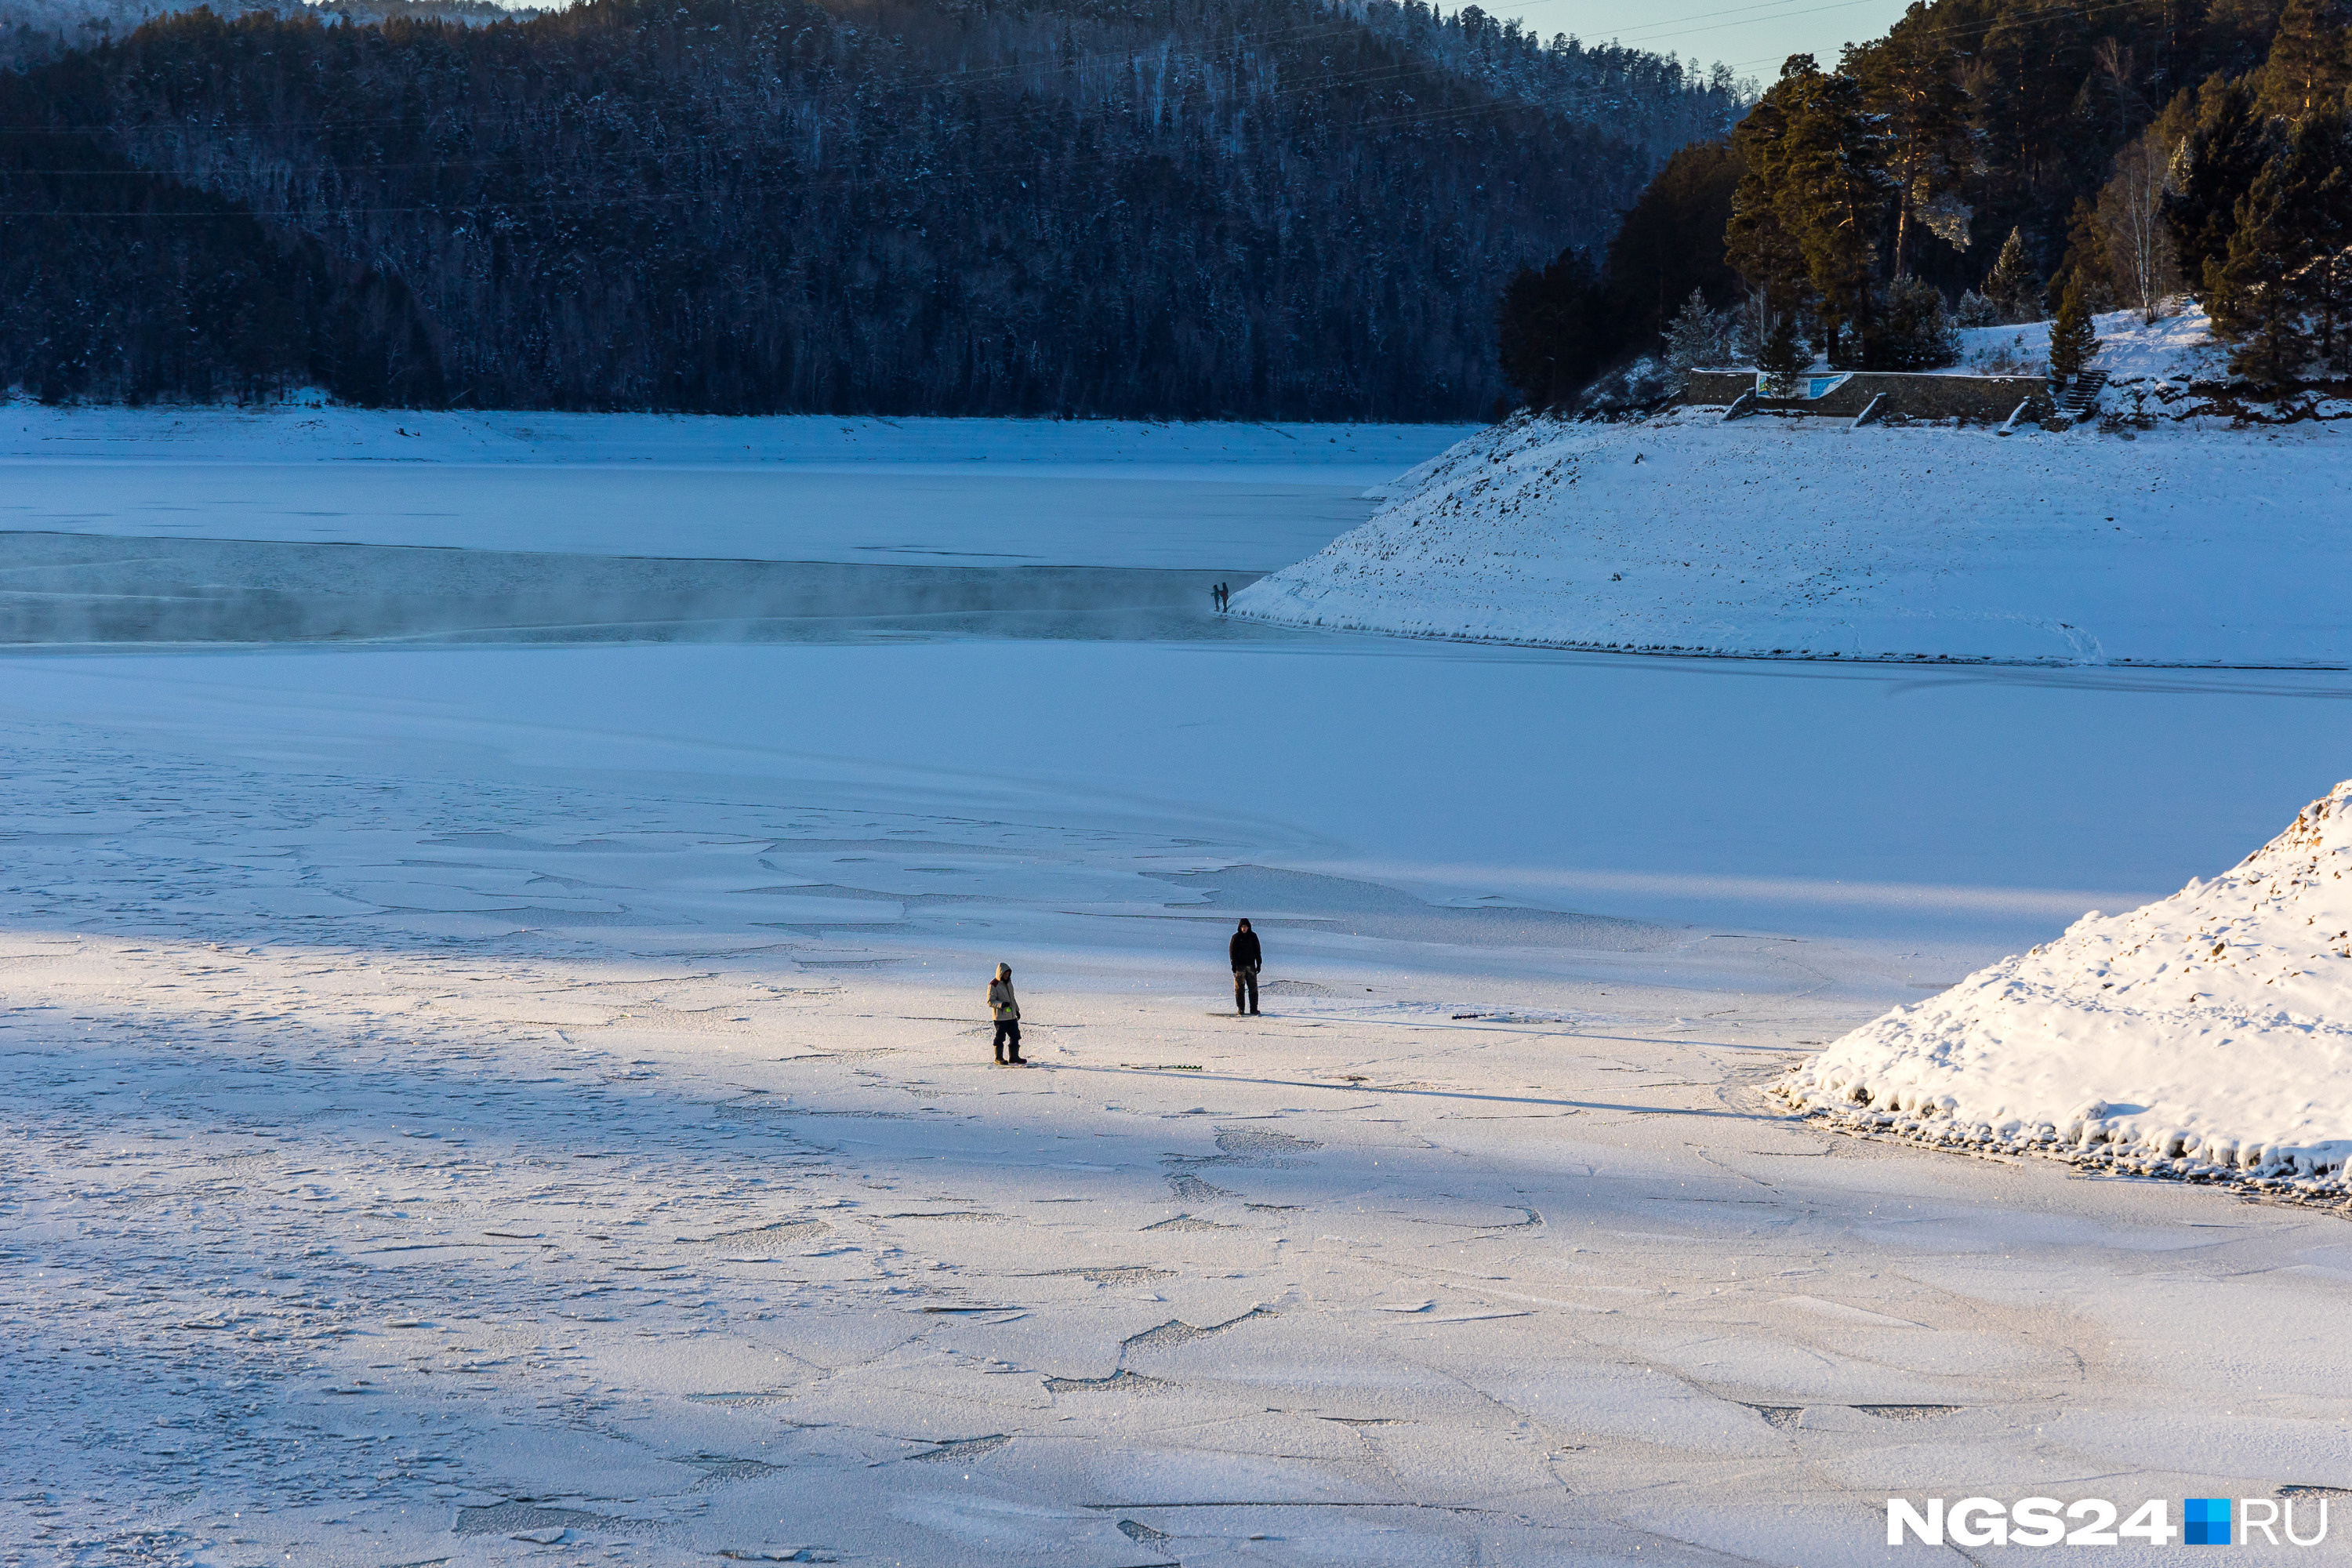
{"x": 1751, "y": 37}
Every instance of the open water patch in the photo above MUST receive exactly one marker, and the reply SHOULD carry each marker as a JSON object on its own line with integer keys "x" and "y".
{"x": 77, "y": 589}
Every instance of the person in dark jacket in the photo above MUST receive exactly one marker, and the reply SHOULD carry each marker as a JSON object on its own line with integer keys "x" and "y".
{"x": 1247, "y": 961}
{"x": 1005, "y": 1009}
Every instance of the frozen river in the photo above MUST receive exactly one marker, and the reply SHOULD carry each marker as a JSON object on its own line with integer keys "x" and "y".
{"x": 494, "y": 1103}
{"x": 1005, "y": 492}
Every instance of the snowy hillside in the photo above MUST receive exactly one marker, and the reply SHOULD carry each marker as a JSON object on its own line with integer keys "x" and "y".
{"x": 2157, "y": 357}
{"x": 2207, "y": 1035}
{"x": 33, "y": 30}
{"x": 2185, "y": 544}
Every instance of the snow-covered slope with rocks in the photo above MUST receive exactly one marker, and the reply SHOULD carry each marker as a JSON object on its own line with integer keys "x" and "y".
{"x": 2177, "y": 351}
{"x": 2188, "y": 543}
{"x": 2206, "y": 1035}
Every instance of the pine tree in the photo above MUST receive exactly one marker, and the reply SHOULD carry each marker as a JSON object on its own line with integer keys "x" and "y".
{"x": 1757, "y": 245}
{"x": 2310, "y": 61}
{"x": 2281, "y": 291}
{"x": 1833, "y": 201}
{"x": 1915, "y": 329}
{"x": 2212, "y": 170}
{"x": 1816, "y": 184}
{"x": 2072, "y": 338}
{"x": 2245, "y": 291}
{"x": 2086, "y": 255}
{"x": 1672, "y": 242}
{"x": 1697, "y": 337}
{"x": 2011, "y": 285}
{"x": 2316, "y": 209}
{"x": 1548, "y": 333}
{"x": 1912, "y": 81}
{"x": 1783, "y": 359}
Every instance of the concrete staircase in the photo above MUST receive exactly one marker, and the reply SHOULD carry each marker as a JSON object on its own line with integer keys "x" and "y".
{"x": 2081, "y": 399}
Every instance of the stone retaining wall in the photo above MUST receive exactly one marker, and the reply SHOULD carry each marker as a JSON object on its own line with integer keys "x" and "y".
{"x": 1908, "y": 392}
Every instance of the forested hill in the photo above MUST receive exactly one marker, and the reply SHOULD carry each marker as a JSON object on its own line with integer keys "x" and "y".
{"x": 1192, "y": 208}
{"x": 32, "y": 31}
{"x": 1984, "y": 162}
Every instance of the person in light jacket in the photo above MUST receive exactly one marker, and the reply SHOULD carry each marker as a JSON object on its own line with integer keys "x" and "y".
{"x": 1006, "y": 1011}
{"x": 1247, "y": 960}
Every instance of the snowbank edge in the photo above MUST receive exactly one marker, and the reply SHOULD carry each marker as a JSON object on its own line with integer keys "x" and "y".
{"x": 2219, "y": 1014}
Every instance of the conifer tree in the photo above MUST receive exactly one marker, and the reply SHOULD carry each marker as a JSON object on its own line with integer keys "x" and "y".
{"x": 2311, "y": 60}
{"x": 1783, "y": 358}
{"x": 2073, "y": 339}
{"x": 1549, "y": 331}
{"x": 2316, "y": 208}
{"x": 2245, "y": 291}
{"x": 1836, "y": 199}
{"x": 2213, "y": 170}
{"x": 2011, "y": 285}
{"x": 1757, "y": 245}
{"x": 1817, "y": 164}
{"x": 1916, "y": 331}
{"x": 2087, "y": 256}
{"x": 2282, "y": 292}
{"x": 1697, "y": 337}
{"x": 1671, "y": 242}
{"x": 1911, "y": 80}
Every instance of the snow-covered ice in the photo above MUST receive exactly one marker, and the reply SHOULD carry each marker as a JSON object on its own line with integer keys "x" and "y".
{"x": 978, "y": 491}
{"x": 466, "y": 1095}
{"x": 2203, "y": 1036}
{"x": 498, "y": 1105}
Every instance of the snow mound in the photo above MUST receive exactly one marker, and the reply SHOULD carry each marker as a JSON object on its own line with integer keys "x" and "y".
{"x": 2183, "y": 545}
{"x": 2207, "y": 1037}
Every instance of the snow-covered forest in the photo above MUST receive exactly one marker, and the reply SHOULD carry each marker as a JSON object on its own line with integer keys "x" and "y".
{"x": 34, "y": 31}
{"x": 1202, "y": 207}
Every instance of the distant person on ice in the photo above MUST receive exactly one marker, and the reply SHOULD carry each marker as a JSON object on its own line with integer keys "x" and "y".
{"x": 1247, "y": 960}
{"x": 1006, "y": 1011}
{"x": 1218, "y": 596}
